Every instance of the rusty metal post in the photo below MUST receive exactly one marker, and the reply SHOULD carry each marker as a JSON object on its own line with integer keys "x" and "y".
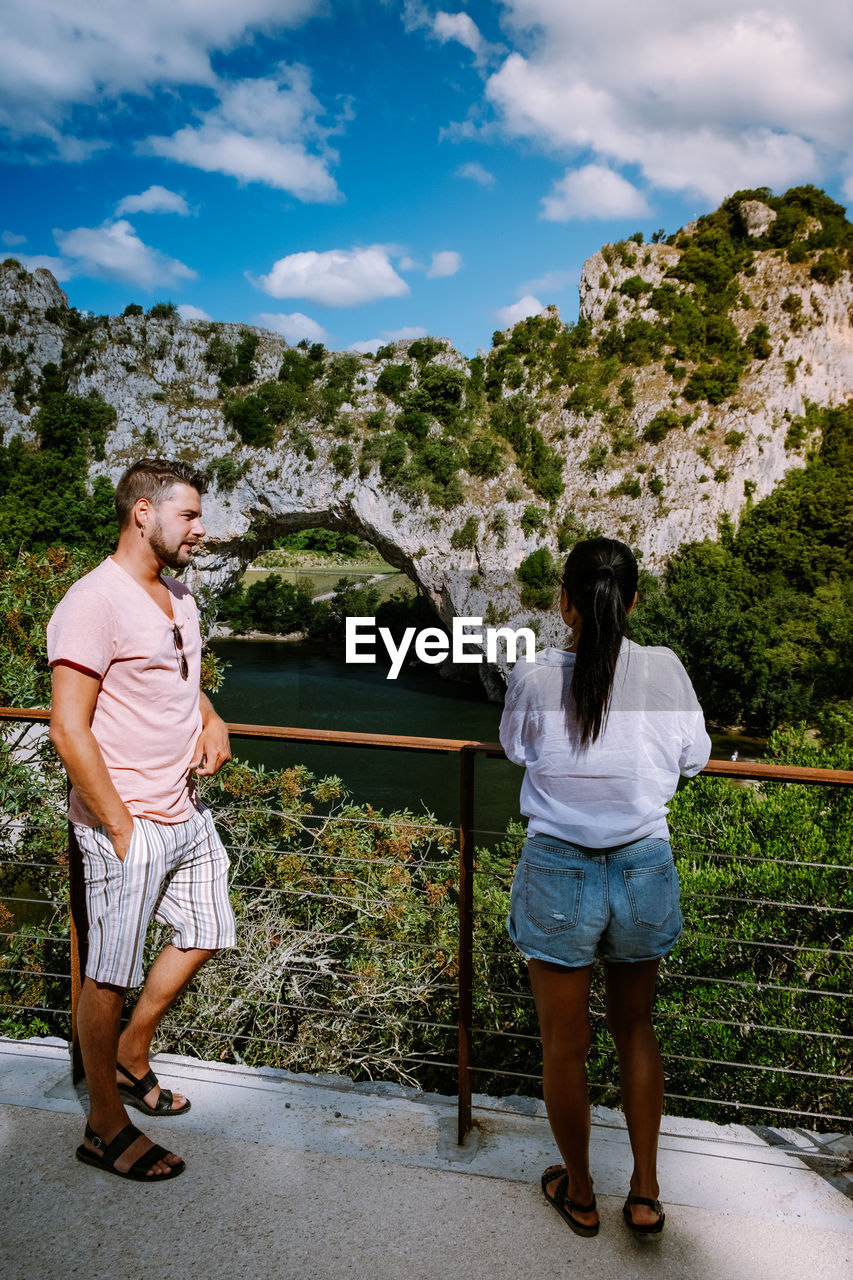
{"x": 79, "y": 927}
{"x": 466, "y": 937}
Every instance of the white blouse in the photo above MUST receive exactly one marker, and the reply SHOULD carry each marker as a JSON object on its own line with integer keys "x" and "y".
{"x": 617, "y": 789}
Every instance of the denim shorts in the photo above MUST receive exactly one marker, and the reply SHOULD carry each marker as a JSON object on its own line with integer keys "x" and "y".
{"x": 569, "y": 902}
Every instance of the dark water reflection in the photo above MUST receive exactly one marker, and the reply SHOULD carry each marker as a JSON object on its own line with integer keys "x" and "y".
{"x": 308, "y": 685}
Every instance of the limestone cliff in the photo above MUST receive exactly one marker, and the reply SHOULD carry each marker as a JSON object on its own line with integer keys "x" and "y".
{"x": 612, "y": 402}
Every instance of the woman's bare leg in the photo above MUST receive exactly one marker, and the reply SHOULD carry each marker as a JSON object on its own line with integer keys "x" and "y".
{"x": 562, "y": 1003}
{"x": 630, "y": 997}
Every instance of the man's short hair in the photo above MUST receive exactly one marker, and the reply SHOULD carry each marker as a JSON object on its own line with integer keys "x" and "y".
{"x": 152, "y": 478}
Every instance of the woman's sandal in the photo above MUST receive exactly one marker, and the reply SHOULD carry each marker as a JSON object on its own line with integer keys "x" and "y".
{"x": 563, "y": 1204}
{"x": 133, "y": 1095}
{"x": 110, "y": 1152}
{"x": 648, "y": 1228}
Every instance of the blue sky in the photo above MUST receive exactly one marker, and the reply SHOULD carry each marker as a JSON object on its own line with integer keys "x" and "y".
{"x": 355, "y": 170}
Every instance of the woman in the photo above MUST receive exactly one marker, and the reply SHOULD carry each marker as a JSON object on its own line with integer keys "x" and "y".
{"x": 604, "y": 730}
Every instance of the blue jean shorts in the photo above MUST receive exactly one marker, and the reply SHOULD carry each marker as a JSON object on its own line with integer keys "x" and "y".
{"x": 569, "y": 902}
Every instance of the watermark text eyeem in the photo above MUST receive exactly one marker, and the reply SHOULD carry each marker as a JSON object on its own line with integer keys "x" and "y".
{"x": 468, "y": 642}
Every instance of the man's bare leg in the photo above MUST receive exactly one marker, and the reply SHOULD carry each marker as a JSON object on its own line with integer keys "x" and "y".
{"x": 98, "y": 1016}
{"x": 169, "y": 975}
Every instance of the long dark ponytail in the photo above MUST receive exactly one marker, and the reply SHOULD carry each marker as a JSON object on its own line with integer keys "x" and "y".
{"x": 600, "y": 579}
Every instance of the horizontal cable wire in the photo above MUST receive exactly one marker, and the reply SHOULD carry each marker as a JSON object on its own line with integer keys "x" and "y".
{"x": 767, "y": 862}
{"x": 767, "y": 902}
{"x": 328, "y": 1012}
{"x": 759, "y": 942}
{"x": 754, "y": 1066}
{"x": 672, "y": 974}
{"x": 35, "y": 937}
{"x": 35, "y": 973}
{"x": 757, "y": 1106}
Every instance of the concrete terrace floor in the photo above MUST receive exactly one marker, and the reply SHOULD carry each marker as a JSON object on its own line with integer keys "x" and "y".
{"x": 309, "y": 1178}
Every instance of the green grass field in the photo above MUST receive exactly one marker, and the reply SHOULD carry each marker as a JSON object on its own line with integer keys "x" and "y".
{"x": 319, "y": 579}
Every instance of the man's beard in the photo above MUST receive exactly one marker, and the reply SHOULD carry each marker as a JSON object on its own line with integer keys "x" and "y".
{"x": 174, "y": 557}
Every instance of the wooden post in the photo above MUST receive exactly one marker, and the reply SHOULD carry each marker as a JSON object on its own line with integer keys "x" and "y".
{"x": 79, "y": 927}
{"x": 466, "y": 938}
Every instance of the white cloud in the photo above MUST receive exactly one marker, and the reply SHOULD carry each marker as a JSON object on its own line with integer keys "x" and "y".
{"x": 702, "y": 98}
{"x": 154, "y": 200}
{"x": 294, "y": 327}
{"x": 445, "y": 263}
{"x": 388, "y": 335}
{"x": 408, "y": 263}
{"x": 526, "y": 306}
{"x": 61, "y": 268}
{"x": 477, "y": 173}
{"x": 445, "y": 27}
{"x": 261, "y": 131}
{"x": 551, "y": 281}
{"x": 55, "y": 55}
{"x": 187, "y": 311}
{"x": 335, "y": 278}
{"x": 115, "y": 252}
{"x": 848, "y": 188}
{"x": 593, "y": 191}
{"x": 10, "y": 239}
{"x": 457, "y": 26}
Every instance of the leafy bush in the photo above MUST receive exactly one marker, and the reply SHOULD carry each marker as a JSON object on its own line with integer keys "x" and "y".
{"x": 539, "y": 576}
{"x": 486, "y": 458}
{"x": 758, "y": 342}
{"x": 533, "y": 518}
{"x": 249, "y": 418}
{"x": 160, "y": 311}
{"x": 343, "y": 459}
{"x": 660, "y": 425}
{"x": 465, "y": 537}
{"x": 393, "y": 380}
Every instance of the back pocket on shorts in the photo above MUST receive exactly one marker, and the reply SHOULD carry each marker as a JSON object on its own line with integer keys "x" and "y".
{"x": 552, "y": 897}
{"x": 653, "y": 893}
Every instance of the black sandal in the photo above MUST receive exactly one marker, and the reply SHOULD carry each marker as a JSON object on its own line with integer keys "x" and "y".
{"x": 110, "y": 1152}
{"x": 644, "y": 1229}
{"x": 133, "y": 1095}
{"x": 563, "y": 1204}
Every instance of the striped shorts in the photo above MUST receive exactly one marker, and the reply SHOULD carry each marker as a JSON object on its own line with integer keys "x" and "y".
{"x": 177, "y": 873}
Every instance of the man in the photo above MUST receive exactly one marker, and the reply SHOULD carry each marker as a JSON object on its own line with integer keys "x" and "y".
{"x": 133, "y": 730}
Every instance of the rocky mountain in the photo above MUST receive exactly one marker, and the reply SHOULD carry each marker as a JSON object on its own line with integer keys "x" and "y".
{"x": 672, "y": 402}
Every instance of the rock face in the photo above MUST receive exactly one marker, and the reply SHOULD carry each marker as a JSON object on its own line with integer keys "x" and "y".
{"x": 154, "y": 372}
{"x": 756, "y": 217}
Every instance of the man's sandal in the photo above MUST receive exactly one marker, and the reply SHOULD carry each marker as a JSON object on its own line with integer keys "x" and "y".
{"x": 133, "y": 1095}
{"x": 647, "y": 1228}
{"x": 563, "y": 1204}
{"x": 111, "y": 1151}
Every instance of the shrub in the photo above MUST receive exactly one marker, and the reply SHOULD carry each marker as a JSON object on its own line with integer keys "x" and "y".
{"x": 734, "y": 439}
{"x": 539, "y": 575}
{"x": 393, "y": 456}
{"x": 423, "y": 349}
{"x": 248, "y": 417}
{"x": 596, "y": 457}
{"x": 486, "y": 458}
{"x": 655, "y": 485}
{"x": 629, "y": 487}
{"x": 133, "y": 309}
{"x": 758, "y": 342}
{"x": 443, "y": 389}
{"x": 660, "y": 426}
{"x": 343, "y": 459}
{"x": 533, "y": 518}
{"x": 162, "y": 311}
{"x": 465, "y": 537}
{"x": 393, "y": 380}
{"x": 635, "y": 287}
{"x": 827, "y": 269}
{"x": 225, "y": 472}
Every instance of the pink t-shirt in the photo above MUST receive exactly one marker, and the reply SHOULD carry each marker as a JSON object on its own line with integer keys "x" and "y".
{"x": 147, "y": 717}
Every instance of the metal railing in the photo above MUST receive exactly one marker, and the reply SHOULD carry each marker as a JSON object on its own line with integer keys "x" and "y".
{"x": 474, "y": 968}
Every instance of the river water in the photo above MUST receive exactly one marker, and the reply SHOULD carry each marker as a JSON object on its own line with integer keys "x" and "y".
{"x": 308, "y": 685}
